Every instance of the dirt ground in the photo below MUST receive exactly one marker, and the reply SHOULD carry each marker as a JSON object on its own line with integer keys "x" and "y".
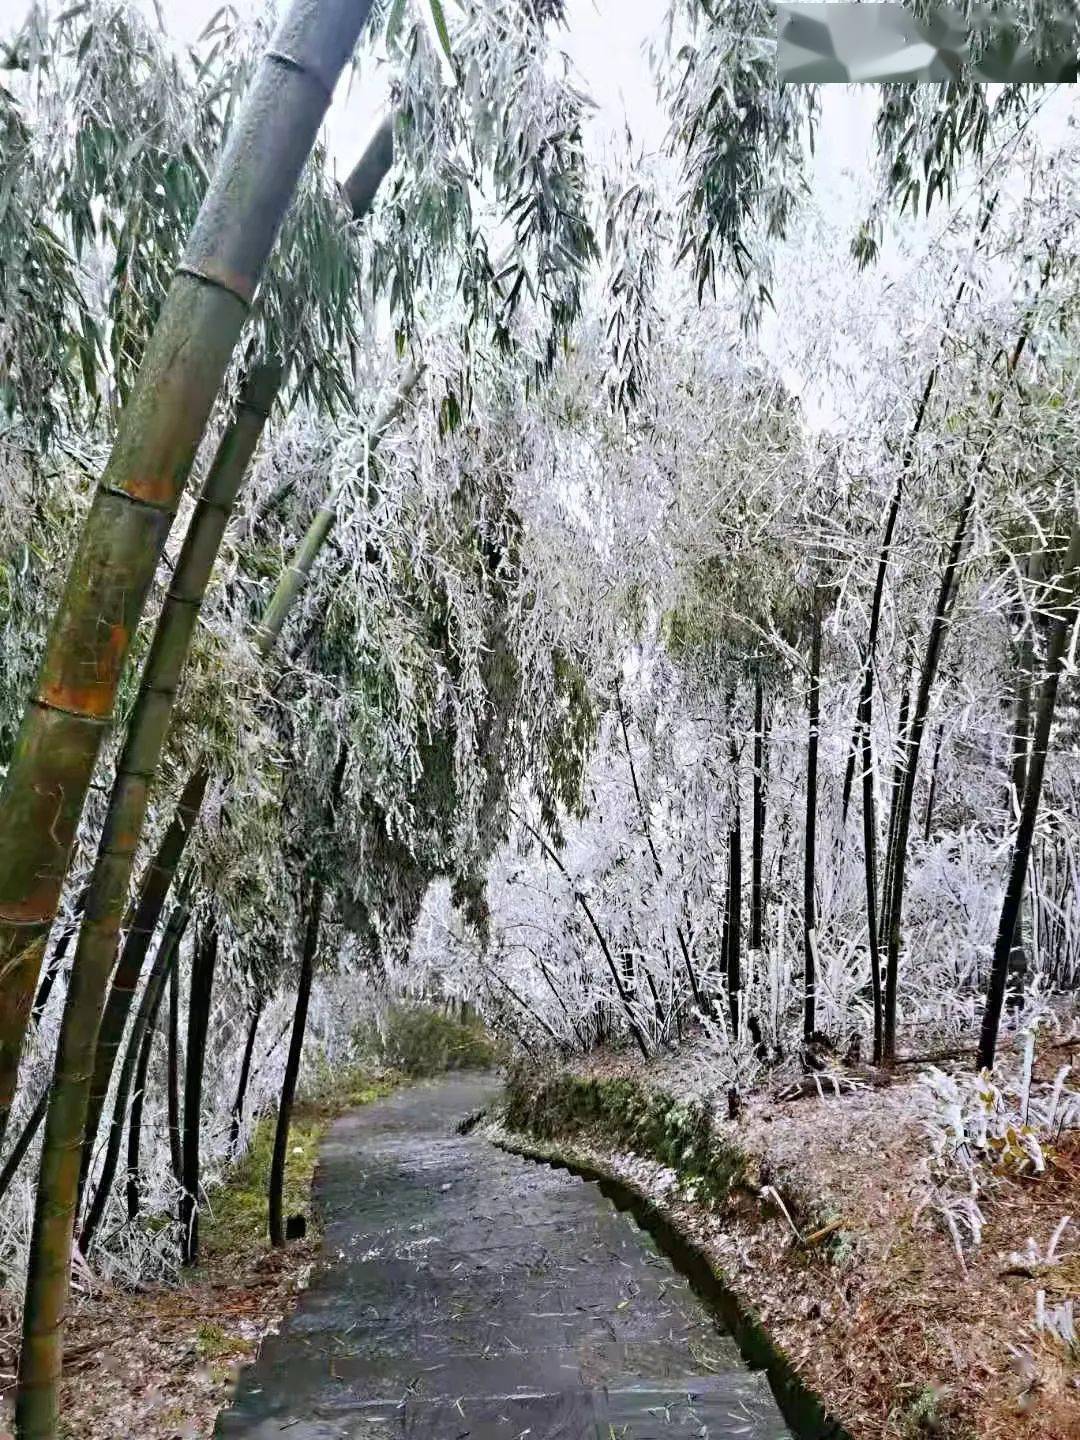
{"x": 159, "y": 1364}
{"x": 884, "y": 1322}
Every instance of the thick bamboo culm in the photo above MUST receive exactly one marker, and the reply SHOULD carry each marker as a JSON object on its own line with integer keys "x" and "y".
{"x": 120, "y": 546}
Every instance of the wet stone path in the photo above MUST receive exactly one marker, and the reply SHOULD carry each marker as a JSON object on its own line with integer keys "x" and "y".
{"x": 467, "y": 1294}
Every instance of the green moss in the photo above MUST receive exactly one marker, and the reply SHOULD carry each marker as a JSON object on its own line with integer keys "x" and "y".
{"x": 237, "y": 1219}
{"x": 214, "y": 1343}
{"x": 676, "y": 1133}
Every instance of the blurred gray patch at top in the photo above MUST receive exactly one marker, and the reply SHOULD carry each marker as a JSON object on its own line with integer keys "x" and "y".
{"x": 875, "y": 43}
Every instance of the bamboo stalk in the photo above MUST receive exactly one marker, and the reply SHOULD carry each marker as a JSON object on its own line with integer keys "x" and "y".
{"x": 920, "y": 711}
{"x": 1065, "y": 619}
{"x": 870, "y": 843}
{"x": 203, "y": 965}
{"x": 237, "y": 1117}
{"x": 172, "y": 1076}
{"x": 733, "y": 958}
{"x": 292, "y": 1066}
{"x": 71, "y": 708}
{"x": 145, "y": 742}
{"x": 172, "y": 966}
{"x": 144, "y": 1020}
{"x": 757, "y": 847}
{"x": 121, "y": 542}
{"x": 299, "y": 1026}
{"x": 864, "y": 710}
{"x": 153, "y": 710}
{"x": 810, "y": 845}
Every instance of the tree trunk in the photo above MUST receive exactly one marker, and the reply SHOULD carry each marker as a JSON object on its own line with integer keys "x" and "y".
{"x": 143, "y": 1026}
{"x": 203, "y": 965}
{"x": 245, "y": 1075}
{"x": 810, "y": 848}
{"x": 932, "y": 796}
{"x": 1018, "y": 769}
{"x": 1064, "y": 621}
{"x": 292, "y": 1064}
{"x": 153, "y": 894}
{"x": 23, "y": 1143}
{"x": 864, "y": 712}
{"x": 757, "y": 859}
{"x": 910, "y": 766}
{"x": 172, "y": 1075}
{"x": 121, "y": 543}
{"x": 700, "y": 1001}
{"x": 734, "y": 916}
{"x": 895, "y": 786}
{"x": 870, "y": 842}
{"x": 174, "y": 934}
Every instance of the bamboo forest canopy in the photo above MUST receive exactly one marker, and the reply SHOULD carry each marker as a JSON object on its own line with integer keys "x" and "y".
{"x": 623, "y": 582}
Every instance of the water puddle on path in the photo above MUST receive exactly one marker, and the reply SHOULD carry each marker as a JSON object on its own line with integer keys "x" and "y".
{"x": 469, "y": 1294}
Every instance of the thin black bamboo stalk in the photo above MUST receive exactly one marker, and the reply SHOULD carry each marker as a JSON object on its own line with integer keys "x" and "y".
{"x": 1065, "y": 619}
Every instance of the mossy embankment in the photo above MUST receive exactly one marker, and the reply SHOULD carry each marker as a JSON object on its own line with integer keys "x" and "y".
{"x": 583, "y": 1123}
{"x": 802, "y": 1223}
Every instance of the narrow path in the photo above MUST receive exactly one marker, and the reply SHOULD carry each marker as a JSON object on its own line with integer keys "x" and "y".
{"x": 467, "y": 1294}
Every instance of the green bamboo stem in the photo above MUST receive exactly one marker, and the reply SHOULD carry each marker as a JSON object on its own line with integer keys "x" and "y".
{"x": 370, "y": 170}
{"x": 203, "y": 966}
{"x": 148, "y": 1005}
{"x": 147, "y": 730}
{"x": 298, "y": 571}
{"x": 153, "y": 710}
{"x": 71, "y": 707}
{"x": 122, "y": 540}
{"x": 174, "y": 933}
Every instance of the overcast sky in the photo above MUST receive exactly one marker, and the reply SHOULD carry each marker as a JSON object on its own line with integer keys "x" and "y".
{"x": 607, "y": 41}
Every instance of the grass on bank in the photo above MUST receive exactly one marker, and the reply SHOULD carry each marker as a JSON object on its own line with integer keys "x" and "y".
{"x": 409, "y": 1041}
{"x": 237, "y": 1216}
{"x": 420, "y": 1041}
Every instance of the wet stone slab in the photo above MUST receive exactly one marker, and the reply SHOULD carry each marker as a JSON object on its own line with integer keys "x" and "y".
{"x": 465, "y": 1294}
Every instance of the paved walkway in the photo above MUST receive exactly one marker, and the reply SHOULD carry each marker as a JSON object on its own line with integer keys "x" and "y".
{"x": 467, "y": 1294}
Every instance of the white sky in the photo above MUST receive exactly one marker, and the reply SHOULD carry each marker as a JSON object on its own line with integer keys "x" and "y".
{"x": 606, "y": 40}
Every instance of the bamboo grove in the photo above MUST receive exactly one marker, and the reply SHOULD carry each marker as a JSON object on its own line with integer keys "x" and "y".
{"x": 520, "y": 571}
